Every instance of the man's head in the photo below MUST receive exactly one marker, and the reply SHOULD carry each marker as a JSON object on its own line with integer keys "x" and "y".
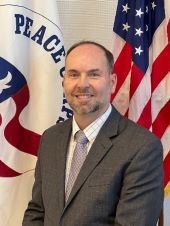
{"x": 108, "y": 54}
{"x": 88, "y": 79}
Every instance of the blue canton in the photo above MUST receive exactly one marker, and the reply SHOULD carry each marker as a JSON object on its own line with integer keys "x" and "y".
{"x": 136, "y": 22}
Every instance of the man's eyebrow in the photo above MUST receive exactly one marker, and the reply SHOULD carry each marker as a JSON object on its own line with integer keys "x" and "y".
{"x": 96, "y": 69}
{"x": 72, "y": 70}
{"x": 91, "y": 70}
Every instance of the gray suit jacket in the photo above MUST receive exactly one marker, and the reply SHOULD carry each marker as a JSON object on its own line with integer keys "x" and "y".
{"x": 120, "y": 183}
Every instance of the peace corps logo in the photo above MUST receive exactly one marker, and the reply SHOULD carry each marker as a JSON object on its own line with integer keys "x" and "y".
{"x": 33, "y": 44}
{"x": 32, "y": 58}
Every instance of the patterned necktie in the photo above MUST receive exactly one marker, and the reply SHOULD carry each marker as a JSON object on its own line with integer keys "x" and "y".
{"x": 79, "y": 156}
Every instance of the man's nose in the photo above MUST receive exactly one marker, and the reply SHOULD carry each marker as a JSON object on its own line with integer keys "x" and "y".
{"x": 83, "y": 80}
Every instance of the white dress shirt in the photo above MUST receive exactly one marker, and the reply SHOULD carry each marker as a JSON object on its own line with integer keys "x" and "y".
{"x": 90, "y": 131}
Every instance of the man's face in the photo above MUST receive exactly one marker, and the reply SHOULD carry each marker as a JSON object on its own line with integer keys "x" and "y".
{"x": 88, "y": 84}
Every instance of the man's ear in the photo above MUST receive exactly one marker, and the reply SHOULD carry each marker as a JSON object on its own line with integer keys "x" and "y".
{"x": 114, "y": 82}
{"x": 63, "y": 80}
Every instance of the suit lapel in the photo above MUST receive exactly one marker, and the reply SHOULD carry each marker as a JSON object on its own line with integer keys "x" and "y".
{"x": 63, "y": 138}
{"x": 97, "y": 152}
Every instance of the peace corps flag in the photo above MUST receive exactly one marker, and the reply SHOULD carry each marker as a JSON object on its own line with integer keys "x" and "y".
{"x": 31, "y": 95}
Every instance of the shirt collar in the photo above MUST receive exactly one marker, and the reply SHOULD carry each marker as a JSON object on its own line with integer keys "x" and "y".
{"x": 92, "y": 130}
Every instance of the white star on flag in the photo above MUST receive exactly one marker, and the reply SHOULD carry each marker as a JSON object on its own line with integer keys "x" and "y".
{"x": 138, "y": 31}
{"x": 139, "y": 12}
{"x": 138, "y": 50}
{"x": 125, "y": 8}
{"x": 153, "y": 5}
{"x": 146, "y": 9}
{"x": 126, "y": 26}
{"x": 147, "y": 27}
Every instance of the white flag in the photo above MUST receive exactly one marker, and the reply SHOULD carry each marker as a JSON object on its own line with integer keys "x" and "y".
{"x": 31, "y": 95}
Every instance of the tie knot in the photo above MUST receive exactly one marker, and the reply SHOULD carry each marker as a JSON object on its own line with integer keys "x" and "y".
{"x": 80, "y": 137}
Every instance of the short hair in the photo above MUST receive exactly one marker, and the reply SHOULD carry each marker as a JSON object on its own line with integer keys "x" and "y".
{"x": 108, "y": 54}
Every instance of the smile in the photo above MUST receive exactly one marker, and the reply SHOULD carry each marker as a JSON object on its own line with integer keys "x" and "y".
{"x": 83, "y": 96}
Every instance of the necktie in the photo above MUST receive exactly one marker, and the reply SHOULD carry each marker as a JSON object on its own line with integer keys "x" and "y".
{"x": 79, "y": 156}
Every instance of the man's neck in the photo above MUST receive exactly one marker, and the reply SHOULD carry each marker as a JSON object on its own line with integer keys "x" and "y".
{"x": 84, "y": 120}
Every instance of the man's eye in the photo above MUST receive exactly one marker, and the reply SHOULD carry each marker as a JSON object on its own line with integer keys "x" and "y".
{"x": 73, "y": 75}
{"x": 93, "y": 75}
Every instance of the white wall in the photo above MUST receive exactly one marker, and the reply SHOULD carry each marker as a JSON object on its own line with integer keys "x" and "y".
{"x": 87, "y": 19}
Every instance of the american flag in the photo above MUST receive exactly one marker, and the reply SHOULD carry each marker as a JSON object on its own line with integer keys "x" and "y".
{"x": 142, "y": 64}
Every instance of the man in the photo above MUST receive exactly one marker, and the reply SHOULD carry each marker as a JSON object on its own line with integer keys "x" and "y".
{"x": 120, "y": 182}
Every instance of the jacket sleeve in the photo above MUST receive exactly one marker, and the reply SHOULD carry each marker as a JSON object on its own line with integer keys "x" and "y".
{"x": 34, "y": 214}
{"x": 141, "y": 197}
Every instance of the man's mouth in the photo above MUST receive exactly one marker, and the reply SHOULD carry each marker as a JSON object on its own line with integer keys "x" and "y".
{"x": 83, "y": 97}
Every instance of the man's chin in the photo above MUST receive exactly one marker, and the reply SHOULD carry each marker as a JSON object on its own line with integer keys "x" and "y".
{"x": 84, "y": 110}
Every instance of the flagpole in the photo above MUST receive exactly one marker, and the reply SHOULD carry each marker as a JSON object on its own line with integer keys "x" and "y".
{"x": 161, "y": 220}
